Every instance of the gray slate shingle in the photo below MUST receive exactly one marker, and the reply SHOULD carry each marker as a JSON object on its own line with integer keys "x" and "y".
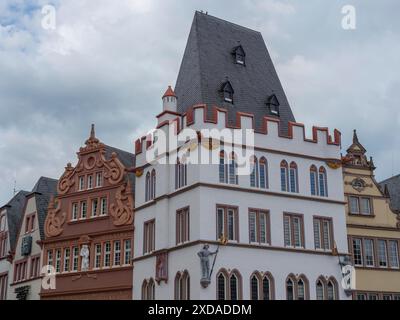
{"x": 393, "y": 185}
{"x": 208, "y": 60}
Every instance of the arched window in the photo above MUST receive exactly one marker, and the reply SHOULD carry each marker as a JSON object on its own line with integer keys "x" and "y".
{"x": 221, "y": 286}
{"x": 254, "y": 287}
{"x": 148, "y": 289}
{"x": 182, "y": 286}
{"x": 302, "y": 288}
{"x": 268, "y": 287}
{"x": 233, "y": 177}
{"x": 148, "y": 186}
{"x": 323, "y": 186}
{"x": 293, "y": 178}
{"x": 331, "y": 289}
{"x": 254, "y": 173}
{"x": 153, "y": 185}
{"x": 180, "y": 174}
{"x": 229, "y": 285}
{"x": 289, "y": 289}
{"x": 284, "y": 176}
{"x": 320, "y": 289}
{"x": 223, "y": 168}
{"x": 233, "y": 286}
{"x": 314, "y": 180}
{"x": 263, "y": 173}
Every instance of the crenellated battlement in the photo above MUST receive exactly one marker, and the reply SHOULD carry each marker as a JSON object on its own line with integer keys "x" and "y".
{"x": 267, "y": 137}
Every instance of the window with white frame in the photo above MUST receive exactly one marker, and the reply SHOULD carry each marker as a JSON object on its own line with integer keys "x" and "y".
{"x": 293, "y": 230}
{"x": 67, "y": 254}
{"x": 293, "y": 177}
{"x": 369, "y": 252}
{"x": 74, "y": 215}
{"x": 357, "y": 252}
{"x": 259, "y": 226}
{"x": 323, "y": 235}
{"x": 97, "y": 258}
{"x": 127, "y": 252}
{"x": 107, "y": 254}
{"x": 95, "y": 206}
{"x": 180, "y": 174}
{"x": 81, "y": 183}
{"x": 117, "y": 253}
{"x": 393, "y": 253}
{"x": 284, "y": 176}
{"x": 323, "y": 184}
{"x": 104, "y": 208}
{"x": 83, "y": 210}
{"x": 99, "y": 179}
{"x": 90, "y": 181}
{"x": 227, "y": 223}
{"x": 75, "y": 258}
{"x": 360, "y": 205}
{"x": 382, "y": 254}
{"x": 182, "y": 225}
{"x": 149, "y": 236}
{"x": 223, "y": 168}
{"x": 58, "y": 260}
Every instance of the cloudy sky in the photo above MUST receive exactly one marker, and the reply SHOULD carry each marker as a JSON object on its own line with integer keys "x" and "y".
{"x": 109, "y": 62}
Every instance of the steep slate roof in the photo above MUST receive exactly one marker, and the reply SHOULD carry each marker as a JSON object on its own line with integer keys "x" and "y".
{"x": 43, "y": 190}
{"x": 208, "y": 62}
{"x": 14, "y": 211}
{"x": 393, "y": 186}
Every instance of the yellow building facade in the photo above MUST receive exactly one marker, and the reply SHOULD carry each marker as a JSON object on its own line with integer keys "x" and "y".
{"x": 372, "y": 227}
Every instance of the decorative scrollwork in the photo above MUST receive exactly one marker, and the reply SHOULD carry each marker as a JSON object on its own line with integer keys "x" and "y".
{"x": 115, "y": 170}
{"x": 54, "y": 220}
{"x": 66, "y": 181}
{"x": 122, "y": 212}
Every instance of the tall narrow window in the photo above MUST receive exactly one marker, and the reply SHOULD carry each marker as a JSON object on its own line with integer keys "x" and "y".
{"x": 83, "y": 210}
{"x": 74, "y": 215}
{"x": 233, "y": 177}
{"x": 393, "y": 254}
{"x": 153, "y": 185}
{"x": 323, "y": 235}
{"x": 127, "y": 251}
{"x": 67, "y": 253}
{"x": 331, "y": 290}
{"x": 293, "y": 178}
{"x": 254, "y": 173}
{"x": 382, "y": 253}
{"x": 94, "y": 207}
{"x": 75, "y": 258}
{"x": 223, "y": 171}
{"x": 81, "y": 183}
{"x": 50, "y": 257}
{"x": 58, "y": 260}
{"x": 365, "y": 206}
{"x": 313, "y": 180}
{"x": 320, "y": 290}
{"x": 148, "y": 187}
{"x": 227, "y": 223}
{"x": 289, "y": 289}
{"x": 90, "y": 181}
{"x": 357, "y": 252}
{"x": 107, "y": 254}
{"x": 254, "y": 287}
{"x": 221, "y": 287}
{"x": 182, "y": 286}
{"x": 97, "y": 258}
{"x": 293, "y": 230}
{"x": 182, "y": 225}
{"x": 99, "y": 179}
{"x": 369, "y": 252}
{"x": 284, "y": 176}
{"x": 234, "y": 294}
{"x": 267, "y": 287}
{"x": 263, "y": 173}
{"x": 259, "y": 228}
{"x": 353, "y": 204}
{"x": 149, "y": 236}
{"x": 117, "y": 253}
{"x": 323, "y": 185}
{"x": 104, "y": 207}
{"x": 180, "y": 174}
{"x": 300, "y": 289}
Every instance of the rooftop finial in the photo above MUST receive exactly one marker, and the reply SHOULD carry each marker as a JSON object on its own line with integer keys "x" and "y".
{"x": 355, "y": 138}
{"x": 92, "y": 142}
{"x": 92, "y": 132}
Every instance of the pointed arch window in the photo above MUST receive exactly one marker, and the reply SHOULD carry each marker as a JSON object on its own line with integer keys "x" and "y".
{"x": 239, "y": 55}
{"x": 254, "y": 174}
{"x": 153, "y": 185}
{"x": 148, "y": 187}
{"x": 180, "y": 174}
{"x": 233, "y": 168}
{"x": 263, "y": 173}
{"x": 221, "y": 286}
{"x": 229, "y": 285}
{"x": 148, "y": 289}
{"x": 331, "y": 291}
{"x": 320, "y": 290}
{"x": 293, "y": 177}
{"x": 182, "y": 286}
{"x": 284, "y": 176}
{"x": 289, "y": 289}
{"x": 323, "y": 186}
{"x": 223, "y": 168}
{"x": 314, "y": 180}
{"x": 233, "y": 284}
{"x": 254, "y": 287}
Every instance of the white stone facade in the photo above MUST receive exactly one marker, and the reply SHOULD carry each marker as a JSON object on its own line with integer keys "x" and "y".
{"x": 203, "y": 192}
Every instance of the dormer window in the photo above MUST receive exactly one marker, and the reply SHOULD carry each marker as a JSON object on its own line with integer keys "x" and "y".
{"x": 273, "y": 105}
{"x": 239, "y": 54}
{"x": 227, "y": 91}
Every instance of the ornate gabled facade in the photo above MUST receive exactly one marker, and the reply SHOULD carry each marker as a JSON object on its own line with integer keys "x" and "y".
{"x": 373, "y": 228}
{"x": 89, "y": 226}
{"x": 25, "y": 271}
{"x": 10, "y": 220}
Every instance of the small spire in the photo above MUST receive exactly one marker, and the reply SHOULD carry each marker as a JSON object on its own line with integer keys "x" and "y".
{"x": 92, "y": 132}
{"x": 371, "y": 162}
{"x": 355, "y": 137}
{"x": 386, "y": 191}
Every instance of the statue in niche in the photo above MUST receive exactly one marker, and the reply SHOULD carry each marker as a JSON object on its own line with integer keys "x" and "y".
{"x": 85, "y": 258}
